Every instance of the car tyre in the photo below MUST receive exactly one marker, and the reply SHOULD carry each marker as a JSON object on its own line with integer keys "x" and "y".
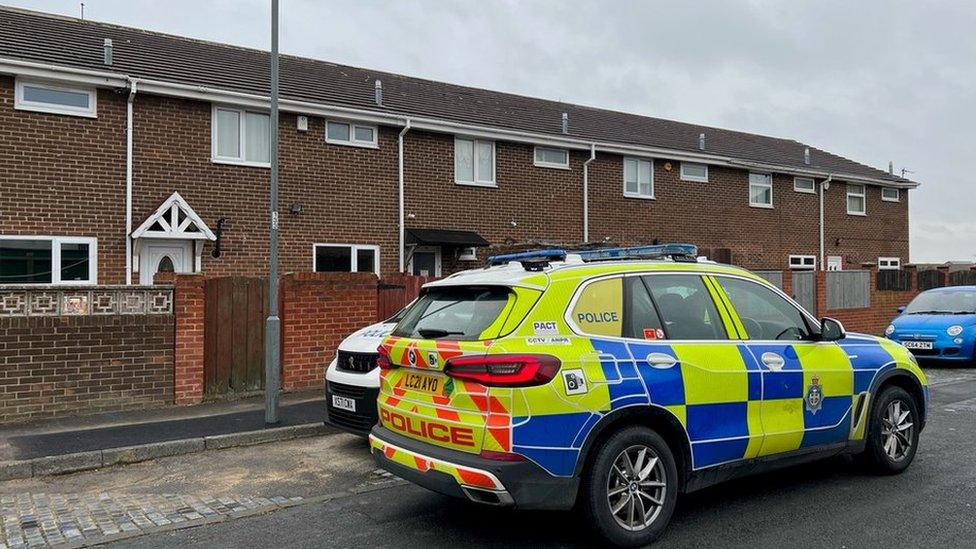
{"x": 647, "y": 487}
{"x": 893, "y": 428}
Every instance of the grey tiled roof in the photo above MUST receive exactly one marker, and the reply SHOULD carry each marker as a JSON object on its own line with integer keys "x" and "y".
{"x": 66, "y": 41}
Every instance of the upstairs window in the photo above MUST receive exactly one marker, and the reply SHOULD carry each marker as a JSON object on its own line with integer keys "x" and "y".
{"x": 54, "y": 98}
{"x": 761, "y": 190}
{"x": 890, "y": 194}
{"x": 638, "y": 178}
{"x": 546, "y": 157}
{"x": 804, "y": 185}
{"x": 348, "y": 133}
{"x": 474, "y": 162}
{"x": 346, "y": 258}
{"x": 241, "y": 136}
{"x": 47, "y": 260}
{"x": 694, "y": 172}
{"x": 856, "y": 202}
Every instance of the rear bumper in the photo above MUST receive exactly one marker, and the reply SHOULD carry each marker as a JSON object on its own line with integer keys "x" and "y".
{"x": 522, "y": 484}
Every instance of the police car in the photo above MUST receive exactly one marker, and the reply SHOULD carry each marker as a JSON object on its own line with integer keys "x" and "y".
{"x": 617, "y": 379}
{"x": 352, "y": 380}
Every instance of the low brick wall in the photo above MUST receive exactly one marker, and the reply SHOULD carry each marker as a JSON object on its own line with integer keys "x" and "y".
{"x": 84, "y": 351}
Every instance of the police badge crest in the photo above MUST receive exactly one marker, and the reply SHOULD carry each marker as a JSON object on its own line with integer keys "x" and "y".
{"x": 814, "y": 399}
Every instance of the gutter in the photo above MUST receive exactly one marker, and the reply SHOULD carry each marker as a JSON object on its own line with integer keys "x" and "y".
{"x": 402, "y": 228}
{"x": 215, "y": 95}
{"x": 133, "y": 84}
{"x": 823, "y": 187}
{"x": 586, "y": 194}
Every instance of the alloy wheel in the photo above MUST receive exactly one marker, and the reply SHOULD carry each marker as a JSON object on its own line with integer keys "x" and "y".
{"x": 636, "y": 487}
{"x": 897, "y": 430}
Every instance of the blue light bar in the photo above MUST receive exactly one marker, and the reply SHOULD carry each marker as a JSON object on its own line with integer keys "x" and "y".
{"x": 637, "y": 252}
{"x": 534, "y": 255}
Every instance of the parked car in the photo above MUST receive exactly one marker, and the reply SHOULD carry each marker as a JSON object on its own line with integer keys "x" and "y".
{"x": 595, "y": 378}
{"x": 352, "y": 381}
{"x": 938, "y": 324}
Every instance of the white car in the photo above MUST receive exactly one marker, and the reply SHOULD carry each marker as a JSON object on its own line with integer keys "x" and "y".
{"x": 352, "y": 381}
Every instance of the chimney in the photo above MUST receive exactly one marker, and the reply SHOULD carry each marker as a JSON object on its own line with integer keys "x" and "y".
{"x": 107, "y": 51}
{"x": 378, "y": 93}
{"x": 701, "y": 141}
{"x": 565, "y": 122}
{"x": 806, "y": 156}
{"x": 891, "y": 168}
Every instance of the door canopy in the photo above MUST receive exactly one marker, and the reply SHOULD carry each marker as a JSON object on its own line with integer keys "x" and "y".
{"x": 174, "y": 219}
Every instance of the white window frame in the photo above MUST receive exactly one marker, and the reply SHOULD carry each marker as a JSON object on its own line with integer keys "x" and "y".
{"x": 863, "y": 195}
{"x": 352, "y": 141}
{"x": 811, "y": 190}
{"x": 835, "y": 260}
{"x": 889, "y": 263}
{"x": 477, "y": 181}
{"x": 769, "y": 184}
{"x": 699, "y": 179}
{"x": 437, "y": 258}
{"x": 56, "y": 242}
{"x": 803, "y": 262}
{"x": 624, "y": 177}
{"x": 897, "y": 197}
{"x": 543, "y": 164}
{"x": 354, "y": 259}
{"x": 53, "y": 108}
{"x": 241, "y": 145}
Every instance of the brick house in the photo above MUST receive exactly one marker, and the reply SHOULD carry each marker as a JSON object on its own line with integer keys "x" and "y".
{"x": 127, "y": 152}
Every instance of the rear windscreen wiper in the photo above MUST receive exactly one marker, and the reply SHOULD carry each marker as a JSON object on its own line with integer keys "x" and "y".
{"x": 435, "y": 333}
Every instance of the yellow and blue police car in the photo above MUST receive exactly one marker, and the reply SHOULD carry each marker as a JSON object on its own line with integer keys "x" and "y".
{"x": 613, "y": 380}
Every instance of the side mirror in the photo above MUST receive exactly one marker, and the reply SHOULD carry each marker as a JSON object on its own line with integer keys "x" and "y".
{"x": 831, "y": 330}
{"x": 901, "y": 309}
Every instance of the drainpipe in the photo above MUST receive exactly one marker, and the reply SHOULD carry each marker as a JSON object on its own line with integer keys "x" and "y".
{"x": 403, "y": 132}
{"x": 823, "y": 186}
{"x": 586, "y": 194}
{"x": 128, "y": 179}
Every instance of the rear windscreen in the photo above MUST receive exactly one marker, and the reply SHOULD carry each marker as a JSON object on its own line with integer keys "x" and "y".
{"x": 460, "y": 313}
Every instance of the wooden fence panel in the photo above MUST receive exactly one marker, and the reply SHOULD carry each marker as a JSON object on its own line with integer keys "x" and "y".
{"x": 774, "y": 277}
{"x": 848, "y": 289}
{"x": 894, "y": 280}
{"x": 930, "y": 279}
{"x": 962, "y": 278}
{"x": 233, "y": 334}
{"x": 805, "y": 290}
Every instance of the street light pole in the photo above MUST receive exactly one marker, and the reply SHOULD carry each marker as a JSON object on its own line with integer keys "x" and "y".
{"x": 272, "y": 339}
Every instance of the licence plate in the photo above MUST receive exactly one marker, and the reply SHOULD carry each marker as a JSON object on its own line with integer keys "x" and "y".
{"x": 423, "y": 383}
{"x": 344, "y": 403}
{"x": 917, "y": 344}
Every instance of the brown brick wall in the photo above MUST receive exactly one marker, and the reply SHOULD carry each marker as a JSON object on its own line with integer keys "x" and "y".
{"x": 65, "y": 175}
{"x": 54, "y": 366}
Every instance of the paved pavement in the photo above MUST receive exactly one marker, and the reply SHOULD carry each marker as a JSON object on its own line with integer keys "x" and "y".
{"x": 345, "y": 503}
{"x": 114, "y": 430}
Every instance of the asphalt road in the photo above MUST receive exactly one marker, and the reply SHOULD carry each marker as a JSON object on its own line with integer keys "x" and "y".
{"x": 826, "y": 504}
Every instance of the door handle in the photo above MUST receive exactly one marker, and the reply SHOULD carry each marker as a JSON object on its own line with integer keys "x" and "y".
{"x": 661, "y": 361}
{"x": 773, "y": 361}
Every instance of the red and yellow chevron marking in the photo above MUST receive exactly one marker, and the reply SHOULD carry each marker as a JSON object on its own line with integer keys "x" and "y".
{"x": 466, "y": 476}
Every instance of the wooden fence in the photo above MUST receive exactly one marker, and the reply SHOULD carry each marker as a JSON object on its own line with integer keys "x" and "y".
{"x": 848, "y": 289}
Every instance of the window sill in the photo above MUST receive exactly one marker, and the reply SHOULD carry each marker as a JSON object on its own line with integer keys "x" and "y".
{"x": 812, "y": 191}
{"x": 891, "y": 200}
{"x": 694, "y": 179}
{"x": 858, "y": 214}
{"x": 475, "y": 184}
{"x": 639, "y": 196}
{"x": 231, "y": 162}
{"x": 551, "y": 166}
{"x": 56, "y": 110}
{"x": 761, "y": 206}
{"x": 352, "y": 144}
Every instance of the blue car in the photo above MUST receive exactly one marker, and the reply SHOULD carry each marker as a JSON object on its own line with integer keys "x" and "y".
{"x": 938, "y": 324}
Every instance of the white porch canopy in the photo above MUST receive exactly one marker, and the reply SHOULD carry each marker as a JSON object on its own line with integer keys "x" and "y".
{"x": 173, "y": 221}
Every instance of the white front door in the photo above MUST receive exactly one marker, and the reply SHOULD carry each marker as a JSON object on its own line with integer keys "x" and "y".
{"x": 165, "y": 256}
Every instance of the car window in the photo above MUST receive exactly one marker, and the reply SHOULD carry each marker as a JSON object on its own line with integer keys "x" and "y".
{"x": 461, "y": 313}
{"x": 765, "y": 314}
{"x": 943, "y": 302}
{"x": 599, "y": 309}
{"x": 686, "y": 307}
{"x": 641, "y": 320}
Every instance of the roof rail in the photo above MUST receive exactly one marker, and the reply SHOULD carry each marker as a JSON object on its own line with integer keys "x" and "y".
{"x": 676, "y": 252}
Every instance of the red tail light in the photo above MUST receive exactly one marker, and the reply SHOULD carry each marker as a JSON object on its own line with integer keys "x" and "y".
{"x": 502, "y": 456}
{"x": 504, "y": 370}
{"x": 383, "y": 361}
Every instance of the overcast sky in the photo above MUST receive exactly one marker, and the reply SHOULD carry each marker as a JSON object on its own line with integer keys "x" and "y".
{"x": 872, "y": 81}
